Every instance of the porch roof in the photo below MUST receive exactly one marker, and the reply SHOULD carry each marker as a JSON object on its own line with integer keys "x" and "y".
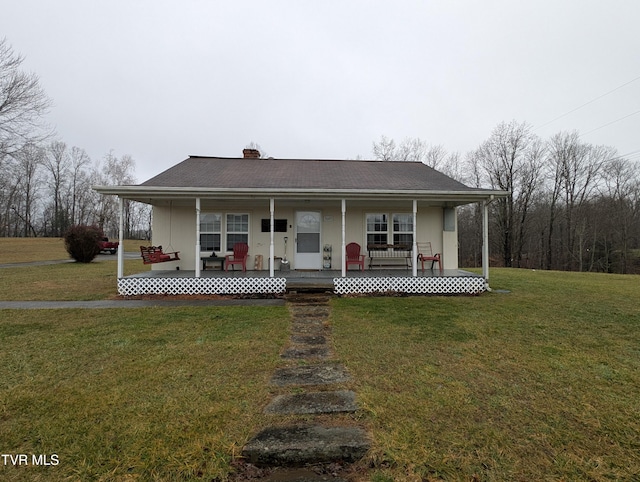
{"x": 324, "y": 179}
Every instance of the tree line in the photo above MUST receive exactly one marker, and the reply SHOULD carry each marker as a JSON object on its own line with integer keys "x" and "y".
{"x": 46, "y": 189}
{"x": 572, "y": 205}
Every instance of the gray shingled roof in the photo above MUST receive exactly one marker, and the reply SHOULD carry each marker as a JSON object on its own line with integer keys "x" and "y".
{"x": 240, "y": 173}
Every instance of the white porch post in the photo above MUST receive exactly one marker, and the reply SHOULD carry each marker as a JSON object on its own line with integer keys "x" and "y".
{"x": 343, "y": 255}
{"x": 121, "y": 238}
{"x": 271, "y": 247}
{"x": 414, "y": 253}
{"x": 198, "y": 247}
{"x": 485, "y": 243}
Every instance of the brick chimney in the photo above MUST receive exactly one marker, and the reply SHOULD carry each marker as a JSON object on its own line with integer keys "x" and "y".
{"x": 251, "y": 153}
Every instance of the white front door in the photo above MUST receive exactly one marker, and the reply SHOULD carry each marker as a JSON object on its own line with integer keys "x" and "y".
{"x": 308, "y": 254}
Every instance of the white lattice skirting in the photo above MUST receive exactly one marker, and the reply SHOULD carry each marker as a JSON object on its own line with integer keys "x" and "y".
{"x": 200, "y": 286}
{"x": 453, "y": 285}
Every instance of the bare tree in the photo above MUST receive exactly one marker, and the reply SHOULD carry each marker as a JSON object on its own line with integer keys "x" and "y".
{"x": 23, "y": 104}
{"x": 114, "y": 171}
{"x": 453, "y": 167}
{"x": 560, "y": 147}
{"x": 578, "y": 170}
{"x": 620, "y": 199}
{"x": 58, "y": 163}
{"x": 510, "y": 161}
{"x": 9, "y": 196}
{"x": 385, "y": 149}
{"x": 530, "y": 179}
{"x": 78, "y": 182}
{"x": 29, "y": 162}
{"x": 413, "y": 149}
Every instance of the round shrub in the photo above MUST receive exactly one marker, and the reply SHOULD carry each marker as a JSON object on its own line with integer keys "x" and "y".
{"x": 83, "y": 242}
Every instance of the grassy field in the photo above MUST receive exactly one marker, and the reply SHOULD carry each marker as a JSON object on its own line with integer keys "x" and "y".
{"x": 68, "y": 281}
{"x": 541, "y": 383}
{"x": 24, "y": 250}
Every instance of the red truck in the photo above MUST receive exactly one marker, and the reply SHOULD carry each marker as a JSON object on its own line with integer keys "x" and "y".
{"x": 106, "y": 245}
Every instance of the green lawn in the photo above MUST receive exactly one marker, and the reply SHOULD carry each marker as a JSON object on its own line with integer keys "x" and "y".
{"x": 68, "y": 281}
{"x": 134, "y": 394}
{"x": 541, "y": 383}
{"x": 24, "y": 250}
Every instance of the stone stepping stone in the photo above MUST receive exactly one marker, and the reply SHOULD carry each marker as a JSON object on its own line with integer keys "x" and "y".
{"x": 300, "y": 445}
{"x": 324, "y": 374}
{"x": 313, "y": 403}
{"x": 311, "y": 309}
{"x": 308, "y": 324}
{"x": 310, "y": 330}
{"x": 316, "y": 308}
{"x": 309, "y": 339}
{"x": 308, "y": 319}
{"x": 302, "y": 352}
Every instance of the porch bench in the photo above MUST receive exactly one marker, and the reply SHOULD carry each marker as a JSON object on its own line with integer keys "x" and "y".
{"x": 155, "y": 254}
{"x": 388, "y": 252}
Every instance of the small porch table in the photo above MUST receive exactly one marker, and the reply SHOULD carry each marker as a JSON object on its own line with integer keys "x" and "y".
{"x": 212, "y": 259}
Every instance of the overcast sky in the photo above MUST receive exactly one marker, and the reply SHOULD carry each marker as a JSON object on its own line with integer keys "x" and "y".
{"x": 162, "y": 80}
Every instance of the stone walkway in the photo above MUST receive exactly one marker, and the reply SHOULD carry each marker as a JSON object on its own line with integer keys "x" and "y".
{"x": 311, "y": 383}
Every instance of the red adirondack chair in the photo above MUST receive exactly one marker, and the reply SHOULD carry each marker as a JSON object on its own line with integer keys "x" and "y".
{"x": 425, "y": 253}
{"x": 354, "y": 256}
{"x": 239, "y": 256}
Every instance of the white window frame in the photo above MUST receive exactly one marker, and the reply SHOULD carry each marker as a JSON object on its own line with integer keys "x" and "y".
{"x": 224, "y": 232}
{"x": 391, "y": 231}
{"x": 204, "y": 231}
{"x": 408, "y": 232}
{"x": 384, "y": 218}
{"x": 229, "y": 232}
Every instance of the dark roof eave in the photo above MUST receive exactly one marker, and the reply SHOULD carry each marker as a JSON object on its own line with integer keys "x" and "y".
{"x": 136, "y": 192}
{"x": 181, "y": 192}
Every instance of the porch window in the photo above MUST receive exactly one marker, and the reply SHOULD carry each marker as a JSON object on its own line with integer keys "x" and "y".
{"x": 377, "y": 228}
{"x": 237, "y": 229}
{"x": 210, "y": 231}
{"x": 403, "y": 229}
{"x": 380, "y": 231}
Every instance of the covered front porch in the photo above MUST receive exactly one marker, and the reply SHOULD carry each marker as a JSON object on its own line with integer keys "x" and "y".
{"x": 370, "y": 281}
{"x": 339, "y": 221}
